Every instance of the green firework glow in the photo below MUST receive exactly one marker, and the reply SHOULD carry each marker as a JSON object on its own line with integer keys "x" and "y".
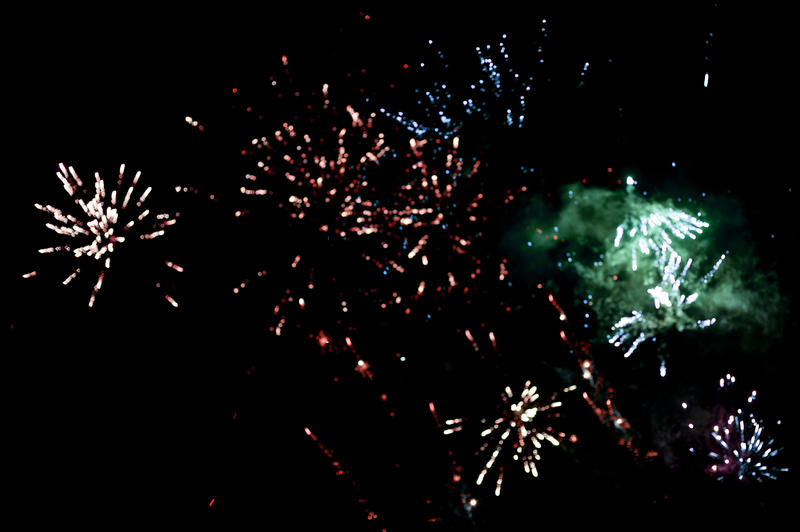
{"x": 651, "y": 266}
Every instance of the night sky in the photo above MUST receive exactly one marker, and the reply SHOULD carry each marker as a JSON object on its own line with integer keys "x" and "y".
{"x": 134, "y": 408}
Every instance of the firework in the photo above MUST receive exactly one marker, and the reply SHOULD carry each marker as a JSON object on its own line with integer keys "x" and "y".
{"x": 429, "y": 193}
{"x": 646, "y": 232}
{"x": 496, "y": 90}
{"x": 740, "y": 445}
{"x": 433, "y": 208}
{"x": 640, "y": 275}
{"x": 651, "y": 233}
{"x": 105, "y": 221}
{"x": 315, "y": 169}
{"x": 523, "y": 424}
{"x": 745, "y": 451}
{"x": 736, "y": 440}
{"x": 194, "y": 123}
{"x": 669, "y": 302}
{"x": 397, "y": 209}
{"x": 425, "y": 234}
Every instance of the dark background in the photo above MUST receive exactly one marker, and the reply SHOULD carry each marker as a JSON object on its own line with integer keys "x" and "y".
{"x": 127, "y": 409}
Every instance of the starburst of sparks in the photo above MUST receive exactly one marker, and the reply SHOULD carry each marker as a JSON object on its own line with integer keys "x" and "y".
{"x": 430, "y": 203}
{"x": 495, "y": 90}
{"x": 339, "y": 174}
{"x": 742, "y": 448}
{"x": 316, "y": 169}
{"x": 106, "y": 221}
{"x": 669, "y": 305}
{"x": 523, "y": 424}
{"x": 737, "y": 443}
{"x": 654, "y": 231}
{"x": 641, "y": 273}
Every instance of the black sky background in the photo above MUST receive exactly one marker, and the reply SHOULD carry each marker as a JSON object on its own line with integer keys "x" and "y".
{"x": 127, "y": 409}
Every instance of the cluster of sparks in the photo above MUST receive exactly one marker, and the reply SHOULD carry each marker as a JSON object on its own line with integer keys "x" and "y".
{"x": 650, "y": 237}
{"x": 496, "y": 90}
{"x": 433, "y": 213}
{"x": 668, "y": 299}
{"x": 740, "y": 447}
{"x": 744, "y": 449}
{"x": 524, "y": 424}
{"x": 651, "y": 233}
{"x": 317, "y": 169}
{"x": 105, "y": 221}
{"x": 338, "y": 172}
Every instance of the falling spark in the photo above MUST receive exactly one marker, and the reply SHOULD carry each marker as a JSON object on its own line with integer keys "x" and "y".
{"x": 602, "y": 395}
{"x": 341, "y": 471}
{"x": 174, "y": 266}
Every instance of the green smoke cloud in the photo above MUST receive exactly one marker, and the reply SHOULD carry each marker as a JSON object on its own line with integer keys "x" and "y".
{"x": 615, "y": 245}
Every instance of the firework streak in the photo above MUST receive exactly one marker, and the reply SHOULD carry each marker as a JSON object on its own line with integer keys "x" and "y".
{"x": 341, "y": 471}
{"x": 601, "y": 396}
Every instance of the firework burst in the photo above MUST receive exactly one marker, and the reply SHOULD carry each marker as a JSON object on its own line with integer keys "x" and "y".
{"x": 496, "y": 90}
{"x": 744, "y": 450}
{"x": 426, "y": 233}
{"x": 669, "y": 304}
{"x": 741, "y": 448}
{"x": 431, "y": 207}
{"x": 524, "y": 424}
{"x": 735, "y": 439}
{"x": 315, "y": 169}
{"x": 639, "y": 276}
{"x": 651, "y": 233}
{"x": 105, "y": 222}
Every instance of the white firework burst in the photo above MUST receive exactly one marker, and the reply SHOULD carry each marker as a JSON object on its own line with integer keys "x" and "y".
{"x": 105, "y": 221}
{"x": 524, "y": 425}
